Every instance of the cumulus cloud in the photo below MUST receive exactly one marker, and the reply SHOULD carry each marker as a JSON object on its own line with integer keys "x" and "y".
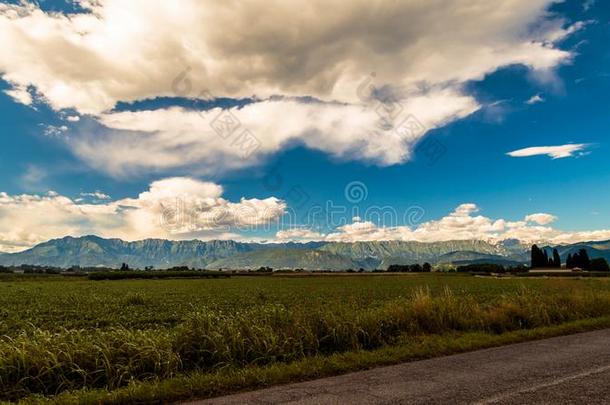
{"x": 118, "y": 52}
{"x": 541, "y": 218}
{"x": 555, "y": 152}
{"x": 297, "y": 235}
{"x": 174, "y": 137}
{"x": 173, "y": 208}
{"x": 185, "y": 208}
{"x": 465, "y": 224}
{"x": 422, "y": 53}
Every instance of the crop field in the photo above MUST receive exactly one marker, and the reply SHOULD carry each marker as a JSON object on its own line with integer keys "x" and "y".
{"x": 74, "y": 340}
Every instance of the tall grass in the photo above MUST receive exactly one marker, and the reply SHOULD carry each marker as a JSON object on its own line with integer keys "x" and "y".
{"x": 45, "y": 362}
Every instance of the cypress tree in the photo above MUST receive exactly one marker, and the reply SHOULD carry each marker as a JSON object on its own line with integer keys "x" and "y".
{"x": 540, "y": 257}
{"x": 535, "y": 256}
{"x": 576, "y": 259}
{"x": 556, "y": 259}
{"x": 546, "y": 259}
{"x": 585, "y": 262}
{"x": 569, "y": 262}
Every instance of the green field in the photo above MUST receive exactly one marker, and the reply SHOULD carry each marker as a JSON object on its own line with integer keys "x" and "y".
{"x": 75, "y": 340}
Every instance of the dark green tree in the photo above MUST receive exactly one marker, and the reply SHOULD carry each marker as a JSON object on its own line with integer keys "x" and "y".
{"x": 538, "y": 259}
{"x": 576, "y": 259}
{"x": 599, "y": 264}
{"x": 583, "y": 258}
{"x": 415, "y": 268}
{"x": 569, "y": 262}
{"x": 556, "y": 259}
{"x": 427, "y": 268}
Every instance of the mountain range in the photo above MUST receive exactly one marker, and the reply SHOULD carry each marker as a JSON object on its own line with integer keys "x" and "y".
{"x": 93, "y": 251}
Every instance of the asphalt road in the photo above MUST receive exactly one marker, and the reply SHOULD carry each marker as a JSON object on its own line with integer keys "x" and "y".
{"x": 571, "y": 369}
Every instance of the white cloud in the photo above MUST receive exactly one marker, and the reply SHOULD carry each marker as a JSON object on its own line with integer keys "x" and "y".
{"x": 297, "y": 235}
{"x": 119, "y": 52}
{"x": 365, "y": 231}
{"x": 423, "y": 53}
{"x": 73, "y": 118}
{"x": 535, "y": 99}
{"x": 458, "y": 225}
{"x": 541, "y": 218}
{"x": 464, "y": 224}
{"x": 555, "y": 152}
{"x": 174, "y": 208}
{"x": 175, "y": 137}
{"x": 20, "y": 94}
{"x": 55, "y": 131}
{"x": 582, "y": 236}
{"x": 184, "y": 208}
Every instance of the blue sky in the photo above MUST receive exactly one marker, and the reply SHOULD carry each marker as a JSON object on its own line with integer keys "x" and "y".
{"x": 42, "y": 150}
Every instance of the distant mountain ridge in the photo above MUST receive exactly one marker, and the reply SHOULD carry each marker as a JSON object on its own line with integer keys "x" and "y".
{"x": 286, "y": 258}
{"x": 94, "y": 251}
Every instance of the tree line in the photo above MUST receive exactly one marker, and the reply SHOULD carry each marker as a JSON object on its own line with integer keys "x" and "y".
{"x": 540, "y": 258}
{"x": 580, "y": 259}
{"x": 489, "y": 268}
{"x": 410, "y": 268}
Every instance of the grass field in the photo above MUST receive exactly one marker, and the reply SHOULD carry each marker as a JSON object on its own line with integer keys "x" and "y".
{"x": 73, "y": 340}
